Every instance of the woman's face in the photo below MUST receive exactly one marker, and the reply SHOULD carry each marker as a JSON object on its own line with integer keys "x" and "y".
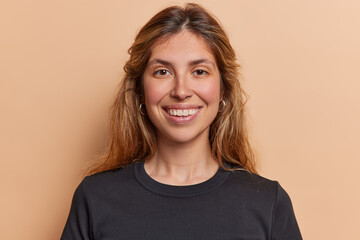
{"x": 182, "y": 87}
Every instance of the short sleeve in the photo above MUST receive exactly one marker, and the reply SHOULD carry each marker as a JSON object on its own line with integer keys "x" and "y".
{"x": 284, "y": 224}
{"x": 79, "y": 225}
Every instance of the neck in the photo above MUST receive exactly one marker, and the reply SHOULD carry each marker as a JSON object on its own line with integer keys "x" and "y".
{"x": 182, "y": 163}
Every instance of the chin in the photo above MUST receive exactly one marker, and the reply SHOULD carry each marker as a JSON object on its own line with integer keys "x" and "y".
{"x": 185, "y": 136}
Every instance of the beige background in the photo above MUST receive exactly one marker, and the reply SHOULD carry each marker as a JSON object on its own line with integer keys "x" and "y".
{"x": 60, "y": 62}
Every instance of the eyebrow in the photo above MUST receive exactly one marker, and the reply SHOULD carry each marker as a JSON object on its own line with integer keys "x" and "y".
{"x": 192, "y": 63}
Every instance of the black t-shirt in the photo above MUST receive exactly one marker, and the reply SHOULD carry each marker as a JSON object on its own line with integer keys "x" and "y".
{"x": 127, "y": 203}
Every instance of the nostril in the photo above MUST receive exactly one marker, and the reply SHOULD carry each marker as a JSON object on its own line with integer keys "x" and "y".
{"x": 181, "y": 93}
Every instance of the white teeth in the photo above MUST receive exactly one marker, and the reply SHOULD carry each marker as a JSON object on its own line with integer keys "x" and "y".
{"x": 180, "y": 112}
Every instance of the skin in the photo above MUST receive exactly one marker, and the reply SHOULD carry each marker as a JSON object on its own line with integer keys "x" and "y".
{"x": 182, "y": 74}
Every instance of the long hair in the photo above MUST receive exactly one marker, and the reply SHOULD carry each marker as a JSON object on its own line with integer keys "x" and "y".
{"x": 132, "y": 135}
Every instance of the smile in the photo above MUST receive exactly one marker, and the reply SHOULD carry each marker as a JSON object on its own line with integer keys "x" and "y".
{"x": 182, "y": 112}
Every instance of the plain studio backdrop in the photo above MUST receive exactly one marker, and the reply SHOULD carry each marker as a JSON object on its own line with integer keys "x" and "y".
{"x": 60, "y": 63}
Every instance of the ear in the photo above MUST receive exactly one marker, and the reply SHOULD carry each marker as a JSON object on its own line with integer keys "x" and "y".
{"x": 221, "y": 95}
{"x": 221, "y": 88}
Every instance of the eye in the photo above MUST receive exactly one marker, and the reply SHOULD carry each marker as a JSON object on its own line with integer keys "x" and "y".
{"x": 200, "y": 72}
{"x": 162, "y": 72}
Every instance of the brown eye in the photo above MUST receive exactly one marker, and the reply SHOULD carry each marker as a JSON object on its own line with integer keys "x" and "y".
{"x": 200, "y": 72}
{"x": 162, "y": 72}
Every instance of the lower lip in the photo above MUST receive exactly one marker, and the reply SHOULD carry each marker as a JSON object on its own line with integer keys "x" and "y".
{"x": 182, "y": 119}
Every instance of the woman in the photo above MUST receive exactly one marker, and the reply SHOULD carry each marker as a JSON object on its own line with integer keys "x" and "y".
{"x": 179, "y": 164}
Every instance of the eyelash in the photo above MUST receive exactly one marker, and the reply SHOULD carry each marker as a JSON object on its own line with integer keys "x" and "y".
{"x": 196, "y": 72}
{"x": 158, "y": 72}
{"x": 200, "y": 70}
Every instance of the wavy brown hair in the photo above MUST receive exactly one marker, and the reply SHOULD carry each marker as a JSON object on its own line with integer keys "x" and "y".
{"x": 132, "y": 135}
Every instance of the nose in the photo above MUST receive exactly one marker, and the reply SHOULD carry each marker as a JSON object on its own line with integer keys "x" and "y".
{"x": 181, "y": 89}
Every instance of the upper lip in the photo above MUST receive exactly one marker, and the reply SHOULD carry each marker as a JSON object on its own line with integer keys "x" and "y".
{"x": 181, "y": 106}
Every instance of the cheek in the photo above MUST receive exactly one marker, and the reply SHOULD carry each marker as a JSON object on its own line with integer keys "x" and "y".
{"x": 210, "y": 91}
{"x": 153, "y": 93}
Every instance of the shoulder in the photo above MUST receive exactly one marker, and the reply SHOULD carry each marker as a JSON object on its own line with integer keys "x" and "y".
{"x": 121, "y": 172}
{"x": 252, "y": 182}
{"x": 268, "y": 197}
{"x": 108, "y": 181}
{"x": 256, "y": 187}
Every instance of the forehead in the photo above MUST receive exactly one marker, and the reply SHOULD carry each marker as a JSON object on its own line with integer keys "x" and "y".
{"x": 180, "y": 46}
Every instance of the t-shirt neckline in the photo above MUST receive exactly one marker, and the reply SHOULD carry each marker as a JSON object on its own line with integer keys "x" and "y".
{"x": 178, "y": 191}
